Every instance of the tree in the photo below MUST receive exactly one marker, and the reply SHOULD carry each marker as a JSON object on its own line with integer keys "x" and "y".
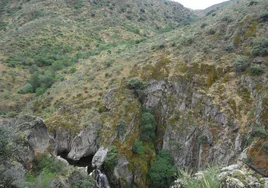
{"x": 147, "y": 126}
{"x": 162, "y": 172}
{"x": 136, "y": 84}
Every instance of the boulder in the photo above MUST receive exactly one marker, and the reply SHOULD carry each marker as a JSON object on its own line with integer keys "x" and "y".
{"x": 99, "y": 157}
{"x": 85, "y": 143}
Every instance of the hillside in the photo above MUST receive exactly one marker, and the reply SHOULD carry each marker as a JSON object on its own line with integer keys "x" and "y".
{"x": 132, "y": 78}
{"x": 38, "y": 35}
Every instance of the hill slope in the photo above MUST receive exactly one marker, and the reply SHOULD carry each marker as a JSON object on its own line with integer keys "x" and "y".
{"x": 140, "y": 78}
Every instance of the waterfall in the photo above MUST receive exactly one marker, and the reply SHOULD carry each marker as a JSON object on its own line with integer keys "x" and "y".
{"x": 101, "y": 179}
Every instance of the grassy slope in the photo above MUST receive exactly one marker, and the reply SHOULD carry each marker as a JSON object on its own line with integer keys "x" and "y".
{"x": 78, "y": 99}
{"x": 63, "y": 32}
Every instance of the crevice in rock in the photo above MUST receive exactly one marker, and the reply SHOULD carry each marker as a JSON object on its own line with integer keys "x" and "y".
{"x": 83, "y": 162}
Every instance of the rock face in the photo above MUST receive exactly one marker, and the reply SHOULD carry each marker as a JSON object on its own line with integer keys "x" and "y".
{"x": 85, "y": 143}
{"x": 30, "y": 135}
{"x": 36, "y": 132}
{"x": 204, "y": 121}
{"x": 239, "y": 176}
{"x": 122, "y": 171}
{"x": 27, "y": 136}
{"x": 99, "y": 157}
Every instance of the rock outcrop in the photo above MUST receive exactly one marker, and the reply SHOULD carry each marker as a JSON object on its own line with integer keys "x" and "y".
{"x": 85, "y": 143}
{"x": 99, "y": 157}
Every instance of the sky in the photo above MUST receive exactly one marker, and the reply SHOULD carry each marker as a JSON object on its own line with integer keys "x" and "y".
{"x": 198, "y": 4}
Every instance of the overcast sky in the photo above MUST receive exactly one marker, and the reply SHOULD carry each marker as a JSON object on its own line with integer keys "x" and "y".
{"x": 198, "y": 4}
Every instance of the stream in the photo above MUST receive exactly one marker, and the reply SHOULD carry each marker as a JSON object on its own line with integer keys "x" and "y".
{"x": 100, "y": 177}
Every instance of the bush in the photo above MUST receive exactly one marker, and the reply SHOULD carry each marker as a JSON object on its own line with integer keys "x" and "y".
{"x": 136, "y": 84}
{"x": 80, "y": 180}
{"x": 4, "y": 147}
{"x": 259, "y": 132}
{"x": 40, "y": 91}
{"x": 263, "y": 18}
{"x": 227, "y": 19}
{"x": 47, "y": 163}
{"x": 260, "y": 47}
{"x": 229, "y": 48}
{"x": 203, "y": 25}
{"x": 202, "y": 139}
{"x": 138, "y": 147}
{"x": 212, "y": 31}
{"x": 241, "y": 63}
{"x": 265, "y": 147}
{"x": 72, "y": 70}
{"x": 111, "y": 160}
{"x": 256, "y": 71}
{"x": 120, "y": 128}
{"x": 41, "y": 82}
{"x": 27, "y": 88}
{"x": 162, "y": 172}
{"x": 147, "y": 126}
{"x": 253, "y": 3}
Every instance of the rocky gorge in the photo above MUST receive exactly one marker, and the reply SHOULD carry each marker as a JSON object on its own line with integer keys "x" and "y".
{"x": 133, "y": 94}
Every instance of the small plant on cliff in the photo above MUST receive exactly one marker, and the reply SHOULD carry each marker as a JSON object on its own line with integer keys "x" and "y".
{"x": 256, "y": 71}
{"x": 136, "y": 84}
{"x": 120, "y": 128}
{"x": 138, "y": 147}
{"x": 240, "y": 63}
{"x": 265, "y": 147}
{"x": 259, "y": 132}
{"x": 4, "y": 147}
{"x": 202, "y": 139}
{"x": 260, "y": 47}
{"x": 80, "y": 180}
{"x": 162, "y": 172}
{"x": 46, "y": 163}
{"x": 111, "y": 160}
{"x": 147, "y": 125}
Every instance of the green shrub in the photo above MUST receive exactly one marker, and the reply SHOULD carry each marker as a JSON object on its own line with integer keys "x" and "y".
{"x": 148, "y": 126}
{"x": 203, "y": 25}
{"x": 202, "y": 139}
{"x": 260, "y": 47}
{"x": 162, "y": 172}
{"x": 41, "y": 82}
{"x": 210, "y": 12}
{"x": 241, "y": 63}
{"x": 120, "y": 128}
{"x": 253, "y": 3}
{"x": 6, "y": 95}
{"x": 40, "y": 91}
{"x": 47, "y": 163}
{"x": 259, "y": 132}
{"x": 227, "y": 19}
{"x": 265, "y": 147}
{"x": 187, "y": 41}
{"x": 138, "y": 147}
{"x": 80, "y": 180}
{"x": 5, "y": 151}
{"x": 27, "y": 88}
{"x": 229, "y": 48}
{"x": 256, "y": 71}
{"x": 72, "y": 70}
{"x": 136, "y": 84}
{"x": 111, "y": 160}
{"x": 263, "y": 18}
{"x": 212, "y": 31}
